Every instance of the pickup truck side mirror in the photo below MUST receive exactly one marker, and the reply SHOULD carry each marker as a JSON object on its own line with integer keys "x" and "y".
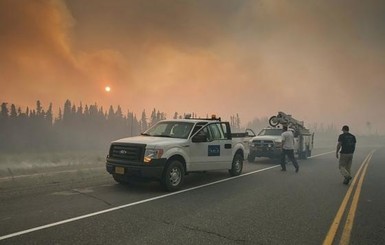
{"x": 199, "y": 138}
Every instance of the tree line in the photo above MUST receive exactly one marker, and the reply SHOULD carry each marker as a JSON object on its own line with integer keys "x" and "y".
{"x": 90, "y": 127}
{"x": 76, "y": 127}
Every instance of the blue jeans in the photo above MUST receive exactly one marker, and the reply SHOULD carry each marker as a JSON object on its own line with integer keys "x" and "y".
{"x": 290, "y": 155}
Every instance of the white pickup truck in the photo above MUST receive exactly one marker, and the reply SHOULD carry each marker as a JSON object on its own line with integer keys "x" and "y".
{"x": 173, "y": 148}
{"x": 268, "y": 143}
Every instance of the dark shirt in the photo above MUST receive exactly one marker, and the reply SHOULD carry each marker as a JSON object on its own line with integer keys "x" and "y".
{"x": 348, "y": 143}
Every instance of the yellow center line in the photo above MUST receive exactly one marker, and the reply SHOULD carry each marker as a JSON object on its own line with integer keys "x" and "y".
{"x": 345, "y": 238}
{"x": 337, "y": 220}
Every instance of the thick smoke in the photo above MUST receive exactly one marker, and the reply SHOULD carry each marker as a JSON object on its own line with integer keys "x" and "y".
{"x": 322, "y": 61}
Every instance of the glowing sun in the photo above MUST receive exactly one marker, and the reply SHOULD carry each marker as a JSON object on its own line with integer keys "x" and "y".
{"x": 107, "y": 88}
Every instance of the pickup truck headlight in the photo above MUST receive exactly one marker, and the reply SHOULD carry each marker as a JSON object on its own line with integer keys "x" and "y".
{"x": 150, "y": 154}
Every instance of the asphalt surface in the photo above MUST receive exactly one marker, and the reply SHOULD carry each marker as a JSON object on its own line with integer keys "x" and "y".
{"x": 263, "y": 206}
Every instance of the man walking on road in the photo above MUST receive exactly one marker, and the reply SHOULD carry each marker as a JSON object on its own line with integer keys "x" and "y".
{"x": 347, "y": 145}
{"x": 288, "y": 149}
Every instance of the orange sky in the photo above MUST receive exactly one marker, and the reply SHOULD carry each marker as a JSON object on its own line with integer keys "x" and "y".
{"x": 321, "y": 61}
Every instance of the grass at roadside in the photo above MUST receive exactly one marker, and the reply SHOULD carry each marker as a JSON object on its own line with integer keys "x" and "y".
{"x": 22, "y": 163}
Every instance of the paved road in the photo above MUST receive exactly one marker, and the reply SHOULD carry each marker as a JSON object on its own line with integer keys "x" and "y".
{"x": 263, "y": 206}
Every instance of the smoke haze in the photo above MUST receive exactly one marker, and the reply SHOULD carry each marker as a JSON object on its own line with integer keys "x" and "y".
{"x": 321, "y": 61}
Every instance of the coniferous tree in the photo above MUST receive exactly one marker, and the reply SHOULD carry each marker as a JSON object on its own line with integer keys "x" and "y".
{"x": 79, "y": 111}
{"x": 4, "y": 131}
{"x": 49, "y": 115}
{"x": 111, "y": 114}
{"x": 39, "y": 108}
{"x": 160, "y": 116}
{"x": 4, "y": 111}
{"x": 59, "y": 119}
{"x": 143, "y": 122}
{"x": 73, "y": 110}
{"x": 67, "y": 111}
{"x": 86, "y": 111}
{"x": 153, "y": 118}
{"x": 13, "y": 114}
{"x": 74, "y": 128}
{"x": 119, "y": 113}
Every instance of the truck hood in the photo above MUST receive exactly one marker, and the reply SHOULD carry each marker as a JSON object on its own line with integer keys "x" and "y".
{"x": 268, "y": 137}
{"x": 151, "y": 141}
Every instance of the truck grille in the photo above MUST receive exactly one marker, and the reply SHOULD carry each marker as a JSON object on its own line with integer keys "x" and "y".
{"x": 127, "y": 152}
{"x": 263, "y": 143}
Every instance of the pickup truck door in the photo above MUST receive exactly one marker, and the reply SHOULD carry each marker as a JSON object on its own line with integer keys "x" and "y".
{"x": 215, "y": 153}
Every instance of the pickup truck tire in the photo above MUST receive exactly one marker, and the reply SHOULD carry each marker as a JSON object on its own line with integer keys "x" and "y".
{"x": 302, "y": 155}
{"x": 308, "y": 152}
{"x": 173, "y": 175}
{"x": 237, "y": 165}
{"x": 305, "y": 154}
{"x": 120, "y": 179}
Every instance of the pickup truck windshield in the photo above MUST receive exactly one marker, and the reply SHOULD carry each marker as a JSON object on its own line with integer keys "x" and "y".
{"x": 271, "y": 131}
{"x": 173, "y": 129}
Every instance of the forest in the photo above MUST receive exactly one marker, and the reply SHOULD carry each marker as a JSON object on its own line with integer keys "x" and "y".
{"x": 76, "y": 127}
{"x": 38, "y": 137}
{"x": 90, "y": 127}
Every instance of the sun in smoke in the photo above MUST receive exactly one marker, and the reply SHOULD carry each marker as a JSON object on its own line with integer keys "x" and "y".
{"x": 107, "y": 89}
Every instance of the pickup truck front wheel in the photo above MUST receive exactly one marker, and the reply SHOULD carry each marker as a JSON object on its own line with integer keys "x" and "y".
{"x": 237, "y": 165}
{"x": 173, "y": 176}
{"x": 120, "y": 179}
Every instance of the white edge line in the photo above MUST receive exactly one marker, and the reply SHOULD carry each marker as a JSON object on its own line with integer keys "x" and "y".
{"x": 322, "y": 154}
{"x": 136, "y": 203}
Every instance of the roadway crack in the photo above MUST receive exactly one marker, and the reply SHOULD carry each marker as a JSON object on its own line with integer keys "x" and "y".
{"x": 196, "y": 229}
{"x": 86, "y": 193}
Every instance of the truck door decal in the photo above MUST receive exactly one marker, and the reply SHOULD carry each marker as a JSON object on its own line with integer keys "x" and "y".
{"x": 214, "y": 150}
